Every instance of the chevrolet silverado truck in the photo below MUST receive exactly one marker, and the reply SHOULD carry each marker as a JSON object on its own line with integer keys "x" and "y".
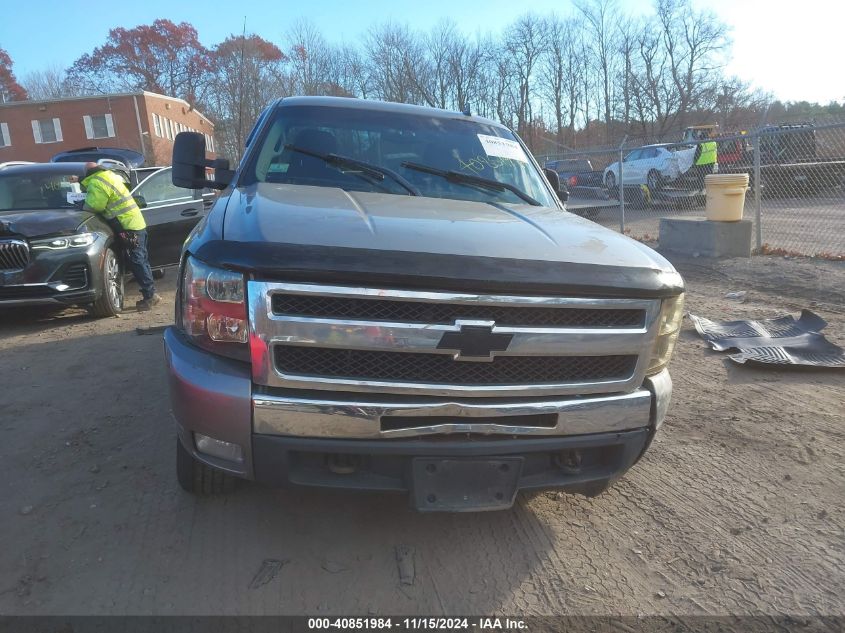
{"x": 389, "y": 297}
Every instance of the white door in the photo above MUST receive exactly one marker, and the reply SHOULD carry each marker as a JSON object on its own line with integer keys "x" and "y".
{"x": 631, "y": 168}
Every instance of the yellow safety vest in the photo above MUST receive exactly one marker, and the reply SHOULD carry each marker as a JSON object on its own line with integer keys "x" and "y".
{"x": 107, "y": 195}
{"x": 708, "y": 153}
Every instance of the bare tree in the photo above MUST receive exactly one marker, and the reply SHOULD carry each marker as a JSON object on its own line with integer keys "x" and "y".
{"x": 310, "y": 58}
{"x": 587, "y": 78}
{"x": 627, "y": 46}
{"x": 601, "y": 19}
{"x": 438, "y": 44}
{"x": 354, "y": 76}
{"x": 464, "y": 59}
{"x": 524, "y": 43}
{"x": 49, "y": 83}
{"x": 561, "y": 76}
{"x": 397, "y": 64}
{"x": 655, "y": 102}
{"x": 691, "y": 39}
{"x": 553, "y": 71}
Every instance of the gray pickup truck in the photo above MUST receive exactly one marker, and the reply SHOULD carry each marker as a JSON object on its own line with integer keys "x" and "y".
{"x": 392, "y": 298}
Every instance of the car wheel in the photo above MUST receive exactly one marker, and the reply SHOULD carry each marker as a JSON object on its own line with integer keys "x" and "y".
{"x": 158, "y": 273}
{"x": 110, "y": 301}
{"x": 610, "y": 184}
{"x": 654, "y": 181}
{"x": 198, "y": 478}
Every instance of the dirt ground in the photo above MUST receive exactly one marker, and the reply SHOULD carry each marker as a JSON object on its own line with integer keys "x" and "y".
{"x": 736, "y": 509}
{"x": 801, "y": 225}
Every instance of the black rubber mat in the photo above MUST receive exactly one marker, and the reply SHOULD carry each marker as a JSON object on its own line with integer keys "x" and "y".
{"x": 779, "y": 341}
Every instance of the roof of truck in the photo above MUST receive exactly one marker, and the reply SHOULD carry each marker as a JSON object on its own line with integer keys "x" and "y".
{"x": 381, "y": 106}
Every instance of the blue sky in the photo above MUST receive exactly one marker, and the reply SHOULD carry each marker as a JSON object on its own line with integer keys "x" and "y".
{"x": 790, "y": 48}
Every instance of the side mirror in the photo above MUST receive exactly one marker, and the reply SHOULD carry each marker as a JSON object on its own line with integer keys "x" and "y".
{"x": 189, "y": 164}
{"x": 140, "y": 201}
{"x": 554, "y": 180}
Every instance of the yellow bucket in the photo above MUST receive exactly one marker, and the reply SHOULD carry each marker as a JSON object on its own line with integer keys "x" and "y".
{"x": 725, "y": 196}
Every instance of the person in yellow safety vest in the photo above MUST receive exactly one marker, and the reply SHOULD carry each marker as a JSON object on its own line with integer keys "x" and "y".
{"x": 107, "y": 195}
{"x": 705, "y": 159}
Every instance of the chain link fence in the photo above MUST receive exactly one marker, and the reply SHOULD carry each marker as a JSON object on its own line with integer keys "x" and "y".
{"x": 797, "y": 209}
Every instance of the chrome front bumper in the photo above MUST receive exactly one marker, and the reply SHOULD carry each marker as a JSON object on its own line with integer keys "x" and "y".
{"x": 362, "y": 418}
{"x": 215, "y": 396}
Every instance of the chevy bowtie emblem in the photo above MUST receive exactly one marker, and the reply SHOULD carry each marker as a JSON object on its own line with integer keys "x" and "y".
{"x": 474, "y": 342}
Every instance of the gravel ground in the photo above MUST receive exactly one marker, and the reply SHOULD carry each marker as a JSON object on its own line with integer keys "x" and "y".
{"x": 736, "y": 509}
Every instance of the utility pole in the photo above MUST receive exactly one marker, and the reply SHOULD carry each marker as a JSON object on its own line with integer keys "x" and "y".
{"x": 241, "y": 92}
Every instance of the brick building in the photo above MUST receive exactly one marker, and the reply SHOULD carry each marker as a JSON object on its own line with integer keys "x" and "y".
{"x": 143, "y": 121}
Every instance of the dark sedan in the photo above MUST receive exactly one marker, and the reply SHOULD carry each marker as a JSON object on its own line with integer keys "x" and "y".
{"x": 52, "y": 252}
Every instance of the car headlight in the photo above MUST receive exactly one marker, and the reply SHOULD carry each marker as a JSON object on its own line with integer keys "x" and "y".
{"x": 213, "y": 308}
{"x": 669, "y": 326}
{"x": 81, "y": 240}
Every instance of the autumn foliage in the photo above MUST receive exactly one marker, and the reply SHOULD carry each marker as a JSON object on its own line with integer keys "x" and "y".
{"x": 161, "y": 57}
{"x": 10, "y": 89}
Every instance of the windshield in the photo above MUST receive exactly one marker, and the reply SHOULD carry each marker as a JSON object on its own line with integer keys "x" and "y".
{"x": 391, "y": 141}
{"x": 36, "y": 191}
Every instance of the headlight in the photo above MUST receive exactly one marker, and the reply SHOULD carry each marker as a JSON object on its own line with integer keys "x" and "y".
{"x": 59, "y": 243}
{"x": 214, "y": 309}
{"x": 669, "y": 326}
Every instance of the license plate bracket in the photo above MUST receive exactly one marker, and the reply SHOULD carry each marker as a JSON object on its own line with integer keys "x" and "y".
{"x": 464, "y": 484}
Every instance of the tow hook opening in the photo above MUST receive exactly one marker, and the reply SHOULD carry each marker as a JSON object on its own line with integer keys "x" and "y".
{"x": 342, "y": 464}
{"x": 568, "y": 461}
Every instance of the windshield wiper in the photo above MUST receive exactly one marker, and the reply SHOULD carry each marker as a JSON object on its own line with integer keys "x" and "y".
{"x": 478, "y": 181}
{"x": 374, "y": 171}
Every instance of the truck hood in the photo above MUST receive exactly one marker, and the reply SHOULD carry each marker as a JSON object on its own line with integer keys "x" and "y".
{"x": 42, "y": 222}
{"x": 280, "y": 229}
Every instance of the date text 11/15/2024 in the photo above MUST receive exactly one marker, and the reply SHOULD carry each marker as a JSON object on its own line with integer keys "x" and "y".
{"x": 417, "y": 624}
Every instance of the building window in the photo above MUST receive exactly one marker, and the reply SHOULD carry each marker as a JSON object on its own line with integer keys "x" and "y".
{"x": 157, "y": 125}
{"x": 168, "y": 127}
{"x": 209, "y": 142}
{"x": 5, "y": 139}
{"x": 47, "y": 130}
{"x": 99, "y": 126}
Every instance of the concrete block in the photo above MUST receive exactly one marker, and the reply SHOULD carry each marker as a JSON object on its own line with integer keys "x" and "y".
{"x": 690, "y": 235}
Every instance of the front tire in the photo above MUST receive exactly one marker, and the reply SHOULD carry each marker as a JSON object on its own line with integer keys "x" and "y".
{"x": 198, "y": 478}
{"x": 610, "y": 184}
{"x": 158, "y": 273}
{"x": 654, "y": 181}
{"x": 110, "y": 301}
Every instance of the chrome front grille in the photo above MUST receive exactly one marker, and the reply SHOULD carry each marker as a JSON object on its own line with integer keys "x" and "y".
{"x": 307, "y": 336}
{"x": 14, "y": 254}
{"x": 377, "y": 309}
{"x": 442, "y": 369}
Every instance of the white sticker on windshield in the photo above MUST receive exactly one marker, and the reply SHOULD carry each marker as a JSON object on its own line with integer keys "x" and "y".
{"x": 73, "y": 197}
{"x": 502, "y": 147}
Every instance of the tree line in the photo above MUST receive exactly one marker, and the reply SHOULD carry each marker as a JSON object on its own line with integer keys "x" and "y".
{"x": 588, "y": 79}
